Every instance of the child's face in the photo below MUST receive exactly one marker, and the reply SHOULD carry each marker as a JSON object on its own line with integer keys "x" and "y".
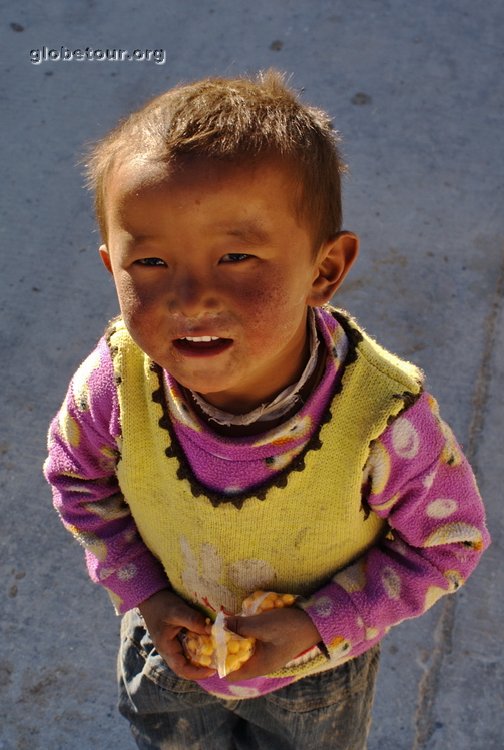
{"x": 214, "y": 275}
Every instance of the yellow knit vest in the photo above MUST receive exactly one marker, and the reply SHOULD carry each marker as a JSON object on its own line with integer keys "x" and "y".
{"x": 300, "y": 534}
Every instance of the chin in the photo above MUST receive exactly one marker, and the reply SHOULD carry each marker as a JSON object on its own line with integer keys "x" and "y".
{"x": 204, "y": 386}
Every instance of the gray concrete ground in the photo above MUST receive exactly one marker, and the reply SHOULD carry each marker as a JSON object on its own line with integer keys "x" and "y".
{"x": 417, "y": 90}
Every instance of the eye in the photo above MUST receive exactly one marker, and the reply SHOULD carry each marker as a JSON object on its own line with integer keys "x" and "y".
{"x": 235, "y": 257}
{"x": 150, "y": 262}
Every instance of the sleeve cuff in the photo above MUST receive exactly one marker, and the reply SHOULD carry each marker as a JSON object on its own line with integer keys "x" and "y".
{"x": 134, "y": 582}
{"x": 337, "y": 620}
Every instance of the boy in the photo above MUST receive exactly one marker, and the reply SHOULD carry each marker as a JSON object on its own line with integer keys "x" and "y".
{"x": 231, "y": 432}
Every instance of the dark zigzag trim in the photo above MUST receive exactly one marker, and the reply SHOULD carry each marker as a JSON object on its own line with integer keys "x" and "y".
{"x": 279, "y": 479}
{"x": 184, "y": 471}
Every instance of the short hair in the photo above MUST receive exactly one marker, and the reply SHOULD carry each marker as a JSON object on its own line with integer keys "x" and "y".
{"x": 236, "y": 120}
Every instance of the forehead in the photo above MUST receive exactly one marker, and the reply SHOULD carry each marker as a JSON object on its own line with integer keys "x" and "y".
{"x": 266, "y": 185}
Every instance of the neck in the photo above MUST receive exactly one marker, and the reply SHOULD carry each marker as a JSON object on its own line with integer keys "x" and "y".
{"x": 275, "y": 408}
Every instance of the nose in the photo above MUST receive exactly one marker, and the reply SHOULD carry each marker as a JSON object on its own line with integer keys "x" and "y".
{"x": 192, "y": 294}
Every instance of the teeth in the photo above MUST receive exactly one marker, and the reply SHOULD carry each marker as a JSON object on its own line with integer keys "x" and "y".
{"x": 200, "y": 338}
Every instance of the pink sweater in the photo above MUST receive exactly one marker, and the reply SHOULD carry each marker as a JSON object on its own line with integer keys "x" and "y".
{"x": 429, "y": 498}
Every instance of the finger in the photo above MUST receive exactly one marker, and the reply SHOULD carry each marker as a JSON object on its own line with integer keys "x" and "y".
{"x": 178, "y": 663}
{"x": 183, "y": 668}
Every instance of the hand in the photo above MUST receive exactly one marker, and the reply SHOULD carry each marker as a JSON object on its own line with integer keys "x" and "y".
{"x": 281, "y": 635}
{"x": 165, "y": 615}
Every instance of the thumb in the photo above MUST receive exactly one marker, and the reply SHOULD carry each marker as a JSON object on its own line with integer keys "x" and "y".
{"x": 194, "y": 621}
{"x": 183, "y": 615}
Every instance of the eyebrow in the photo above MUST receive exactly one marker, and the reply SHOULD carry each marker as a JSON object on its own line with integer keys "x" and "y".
{"x": 248, "y": 231}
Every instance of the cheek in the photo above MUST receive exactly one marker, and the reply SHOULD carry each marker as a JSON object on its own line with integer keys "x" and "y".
{"x": 134, "y": 301}
{"x": 271, "y": 306}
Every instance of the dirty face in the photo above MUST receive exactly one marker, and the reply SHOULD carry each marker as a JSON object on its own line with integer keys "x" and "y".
{"x": 214, "y": 274}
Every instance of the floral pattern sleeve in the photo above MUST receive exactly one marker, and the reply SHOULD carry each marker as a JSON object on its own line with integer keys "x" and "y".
{"x": 84, "y": 446}
{"x": 418, "y": 479}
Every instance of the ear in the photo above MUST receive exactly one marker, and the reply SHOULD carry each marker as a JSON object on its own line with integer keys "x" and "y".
{"x": 105, "y": 256}
{"x": 334, "y": 260}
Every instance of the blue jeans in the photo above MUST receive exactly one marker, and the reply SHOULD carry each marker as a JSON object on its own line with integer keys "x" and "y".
{"x": 328, "y": 710}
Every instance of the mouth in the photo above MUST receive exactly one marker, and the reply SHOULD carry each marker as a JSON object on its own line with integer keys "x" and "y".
{"x": 201, "y": 345}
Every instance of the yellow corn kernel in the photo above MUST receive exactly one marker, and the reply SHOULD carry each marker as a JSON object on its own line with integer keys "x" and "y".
{"x": 207, "y": 649}
{"x": 266, "y": 605}
{"x": 288, "y": 599}
{"x": 279, "y": 603}
{"x": 205, "y": 661}
{"x": 232, "y": 664}
{"x": 233, "y": 646}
